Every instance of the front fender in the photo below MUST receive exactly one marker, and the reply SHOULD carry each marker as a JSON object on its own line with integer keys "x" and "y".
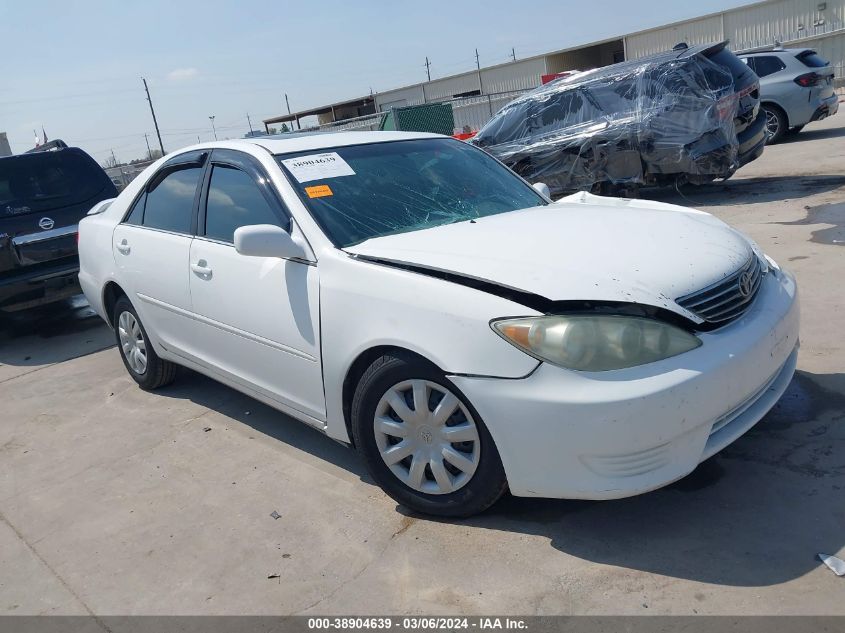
{"x": 365, "y": 305}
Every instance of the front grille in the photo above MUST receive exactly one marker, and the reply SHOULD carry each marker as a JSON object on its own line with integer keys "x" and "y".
{"x": 729, "y": 298}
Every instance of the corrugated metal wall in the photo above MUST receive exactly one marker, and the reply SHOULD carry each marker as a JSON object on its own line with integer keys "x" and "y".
{"x": 698, "y": 31}
{"x": 811, "y": 23}
{"x": 784, "y": 21}
{"x": 448, "y": 86}
{"x": 522, "y": 75}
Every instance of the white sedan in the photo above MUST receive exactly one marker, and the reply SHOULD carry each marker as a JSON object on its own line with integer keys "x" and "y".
{"x": 409, "y": 295}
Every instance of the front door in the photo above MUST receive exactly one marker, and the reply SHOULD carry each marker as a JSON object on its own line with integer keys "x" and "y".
{"x": 257, "y": 317}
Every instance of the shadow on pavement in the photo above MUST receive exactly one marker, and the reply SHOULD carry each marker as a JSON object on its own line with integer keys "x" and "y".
{"x": 52, "y": 333}
{"x": 747, "y": 190}
{"x": 211, "y": 394}
{"x": 812, "y": 134}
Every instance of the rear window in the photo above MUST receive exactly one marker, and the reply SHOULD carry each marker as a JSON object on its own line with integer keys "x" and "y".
{"x": 812, "y": 59}
{"x": 39, "y": 182}
{"x": 730, "y": 61}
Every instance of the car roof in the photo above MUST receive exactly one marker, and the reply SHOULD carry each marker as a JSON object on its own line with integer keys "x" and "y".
{"x": 31, "y": 155}
{"x": 780, "y": 51}
{"x": 312, "y": 140}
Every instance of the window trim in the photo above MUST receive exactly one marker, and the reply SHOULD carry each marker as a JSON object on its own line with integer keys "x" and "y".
{"x": 188, "y": 160}
{"x": 243, "y": 162}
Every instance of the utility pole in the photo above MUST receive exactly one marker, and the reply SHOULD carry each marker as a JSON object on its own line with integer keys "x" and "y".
{"x": 298, "y": 127}
{"x": 213, "y": 129}
{"x": 149, "y": 151}
{"x": 198, "y": 139}
{"x": 249, "y": 121}
{"x": 513, "y": 54}
{"x": 114, "y": 159}
{"x": 153, "y": 112}
{"x": 428, "y": 68}
{"x": 478, "y": 70}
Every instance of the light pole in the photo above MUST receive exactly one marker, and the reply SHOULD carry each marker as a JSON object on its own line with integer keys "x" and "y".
{"x": 212, "y": 127}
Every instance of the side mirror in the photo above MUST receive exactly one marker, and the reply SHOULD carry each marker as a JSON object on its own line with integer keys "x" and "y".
{"x": 267, "y": 240}
{"x": 543, "y": 189}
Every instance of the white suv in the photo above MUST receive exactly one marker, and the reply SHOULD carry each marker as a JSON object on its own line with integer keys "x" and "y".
{"x": 796, "y": 88}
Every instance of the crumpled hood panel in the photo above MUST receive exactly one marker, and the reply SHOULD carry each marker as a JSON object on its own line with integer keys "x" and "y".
{"x": 583, "y": 247}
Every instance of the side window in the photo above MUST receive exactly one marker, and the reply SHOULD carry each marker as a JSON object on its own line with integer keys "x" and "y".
{"x": 234, "y": 200}
{"x": 767, "y": 65}
{"x": 136, "y": 215}
{"x": 170, "y": 204}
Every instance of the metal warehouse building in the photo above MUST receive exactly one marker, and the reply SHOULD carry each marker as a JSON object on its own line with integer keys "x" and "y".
{"x": 477, "y": 94}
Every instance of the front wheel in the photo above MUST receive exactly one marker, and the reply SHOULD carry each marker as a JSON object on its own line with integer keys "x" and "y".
{"x": 139, "y": 357}
{"x": 422, "y": 441}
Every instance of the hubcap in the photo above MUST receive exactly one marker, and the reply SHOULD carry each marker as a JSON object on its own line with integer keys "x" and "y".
{"x": 132, "y": 342}
{"x": 772, "y": 123}
{"x": 427, "y": 437}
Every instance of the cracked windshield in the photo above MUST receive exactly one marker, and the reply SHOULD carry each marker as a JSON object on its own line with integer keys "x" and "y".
{"x": 363, "y": 191}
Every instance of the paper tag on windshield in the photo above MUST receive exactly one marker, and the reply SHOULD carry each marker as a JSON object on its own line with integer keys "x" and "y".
{"x": 318, "y": 167}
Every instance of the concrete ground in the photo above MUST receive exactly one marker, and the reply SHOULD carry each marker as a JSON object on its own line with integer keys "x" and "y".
{"x": 117, "y": 501}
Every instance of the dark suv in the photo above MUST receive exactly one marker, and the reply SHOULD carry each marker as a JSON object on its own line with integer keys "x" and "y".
{"x": 43, "y": 195}
{"x": 691, "y": 114}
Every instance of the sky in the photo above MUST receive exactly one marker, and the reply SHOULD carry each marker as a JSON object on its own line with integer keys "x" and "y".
{"x": 74, "y": 67}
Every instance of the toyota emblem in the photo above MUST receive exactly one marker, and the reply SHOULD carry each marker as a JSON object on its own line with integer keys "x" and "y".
{"x": 46, "y": 223}
{"x": 746, "y": 281}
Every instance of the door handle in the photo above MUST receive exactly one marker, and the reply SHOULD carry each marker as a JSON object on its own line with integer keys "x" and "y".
{"x": 124, "y": 247}
{"x": 201, "y": 268}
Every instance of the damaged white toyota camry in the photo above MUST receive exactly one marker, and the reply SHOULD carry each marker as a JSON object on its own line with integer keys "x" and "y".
{"x": 408, "y": 294}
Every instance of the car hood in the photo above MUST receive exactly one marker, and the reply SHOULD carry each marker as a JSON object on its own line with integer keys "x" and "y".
{"x": 583, "y": 247}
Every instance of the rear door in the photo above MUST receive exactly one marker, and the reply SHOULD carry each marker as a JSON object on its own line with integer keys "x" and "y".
{"x": 257, "y": 317}
{"x": 152, "y": 245}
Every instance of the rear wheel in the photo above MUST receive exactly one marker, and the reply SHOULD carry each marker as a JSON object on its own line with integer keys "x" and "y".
{"x": 139, "y": 357}
{"x": 422, "y": 441}
{"x": 776, "y": 123}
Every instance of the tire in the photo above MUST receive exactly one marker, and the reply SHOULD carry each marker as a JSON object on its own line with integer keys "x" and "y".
{"x": 776, "y": 123}
{"x": 461, "y": 492}
{"x": 794, "y": 130}
{"x": 134, "y": 346}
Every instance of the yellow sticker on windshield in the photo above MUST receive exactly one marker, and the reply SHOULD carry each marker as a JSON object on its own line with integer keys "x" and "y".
{"x": 318, "y": 191}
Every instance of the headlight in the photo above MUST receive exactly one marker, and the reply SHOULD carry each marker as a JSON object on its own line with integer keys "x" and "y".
{"x": 595, "y": 342}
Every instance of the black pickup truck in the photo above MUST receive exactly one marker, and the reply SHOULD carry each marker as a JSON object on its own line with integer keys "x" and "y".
{"x": 43, "y": 195}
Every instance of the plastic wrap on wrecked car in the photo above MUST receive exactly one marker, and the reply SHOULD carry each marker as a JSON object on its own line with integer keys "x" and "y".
{"x": 630, "y": 123}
